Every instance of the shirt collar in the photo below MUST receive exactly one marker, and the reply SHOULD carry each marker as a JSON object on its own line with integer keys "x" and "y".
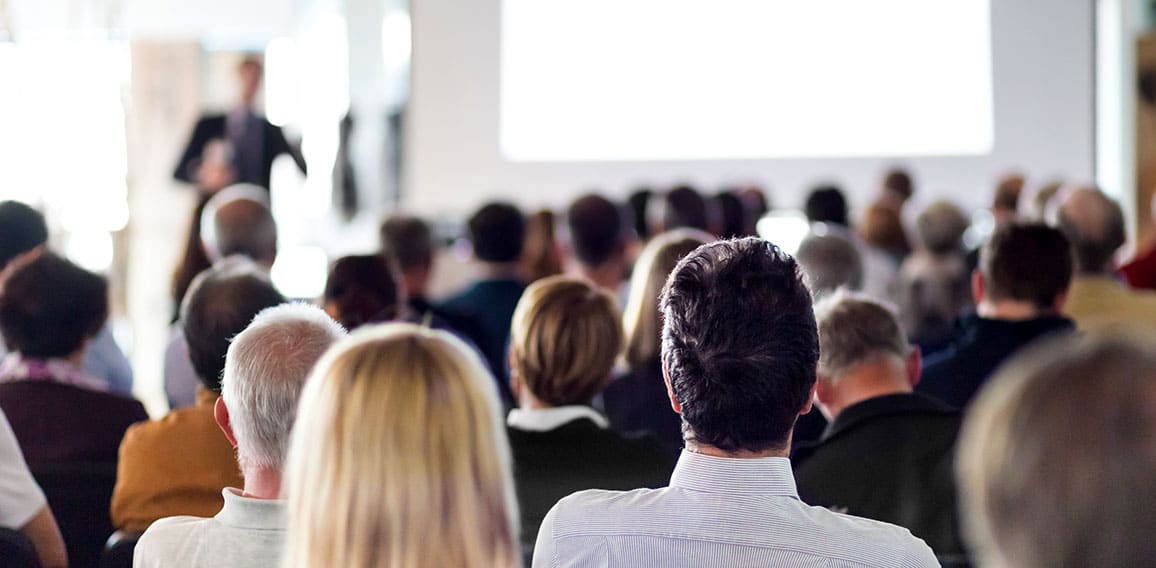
{"x": 249, "y": 513}
{"x": 16, "y": 367}
{"x": 546, "y": 419}
{"x": 735, "y": 476}
{"x": 885, "y": 405}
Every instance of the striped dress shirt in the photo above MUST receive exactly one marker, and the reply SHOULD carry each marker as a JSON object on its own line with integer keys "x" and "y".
{"x": 718, "y": 512}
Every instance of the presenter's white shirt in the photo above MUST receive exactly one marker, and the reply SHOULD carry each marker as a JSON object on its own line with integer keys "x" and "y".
{"x": 247, "y": 533}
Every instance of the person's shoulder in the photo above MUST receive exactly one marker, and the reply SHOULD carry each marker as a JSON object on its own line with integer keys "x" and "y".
{"x": 165, "y": 538}
{"x": 873, "y": 543}
{"x": 598, "y": 508}
{"x": 163, "y": 429}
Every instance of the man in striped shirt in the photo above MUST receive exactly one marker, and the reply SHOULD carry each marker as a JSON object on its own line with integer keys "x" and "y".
{"x": 740, "y": 350}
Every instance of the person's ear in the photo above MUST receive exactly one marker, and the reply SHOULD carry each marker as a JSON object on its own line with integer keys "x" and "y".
{"x": 914, "y": 365}
{"x": 1060, "y": 301}
{"x": 221, "y": 415}
{"x": 822, "y": 392}
{"x": 810, "y": 400}
{"x": 977, "y": 286}
{"x": 674, "y": 404}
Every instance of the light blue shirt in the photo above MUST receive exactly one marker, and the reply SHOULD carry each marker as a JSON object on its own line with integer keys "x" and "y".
{"x": 718, "y": 512}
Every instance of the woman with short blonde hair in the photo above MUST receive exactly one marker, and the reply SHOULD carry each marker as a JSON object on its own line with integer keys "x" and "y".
{"x": 398, "y": 458}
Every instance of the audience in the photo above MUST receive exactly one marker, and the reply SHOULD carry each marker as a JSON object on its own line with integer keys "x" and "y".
{"x": 826, "y": 204}
{"x": 409, "y": 242}
{"x": 740, "y": 350}
{"x": 684, "y": 207}
{"x": 933, "y": 281}
{"x": 732, "y": 216}
{"x": 637, "y": 401}
{"x": 639, "y": 204}
{"x": 265, "y": 368}
{"x": 1140, "y": 271}
{"x": 882, "y": 230}
{"x": 1005, "y": 204}
{"x": 829, "y": 261}
{"x": 179, "y": 464}
{"x": 362, "y": 289}
{"x": 1023, "y": 278}
{"x": 1056, "y": 461}
{"x": 598, "y": 242}
{"x": 49, "y": 311}
{"x": 398, "y": 458}
{"x": 497, "y": 232}
{"x": 898, "y": 188}
{"x": 566, "y": 337}
{"x": 1094, "y": 224}
{"x": 541, "y": 256}
{"x": 23, "y": 507}
{"x": 887, "y": 454}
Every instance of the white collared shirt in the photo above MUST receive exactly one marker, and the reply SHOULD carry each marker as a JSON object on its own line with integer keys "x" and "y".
{"x": 247, "y": 533}
{"x": 546, "y": 419}
{"x": 718, "y": 512}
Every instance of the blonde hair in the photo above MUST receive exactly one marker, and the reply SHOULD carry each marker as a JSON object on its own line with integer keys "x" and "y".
{"x": 642, "y": 319}
{"x": 565, "y": 337}
{"x": 399, "y": 458}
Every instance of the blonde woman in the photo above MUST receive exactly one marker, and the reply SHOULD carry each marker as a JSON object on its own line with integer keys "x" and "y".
{"x": 637, "y": 400}
{"x": 398, "y": 458}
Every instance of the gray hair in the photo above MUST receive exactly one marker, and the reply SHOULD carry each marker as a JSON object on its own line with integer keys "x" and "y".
{"x": 265, "y": 368}
{"x": 1094, "y": 223}
{"x": 941, "y": 227}
{"x": 830, "y": 261}
{"x": 237, "y": 221}
{"x": 853, "y": 329}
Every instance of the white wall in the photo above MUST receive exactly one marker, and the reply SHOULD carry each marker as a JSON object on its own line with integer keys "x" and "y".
{"x": 1043, "y": 85}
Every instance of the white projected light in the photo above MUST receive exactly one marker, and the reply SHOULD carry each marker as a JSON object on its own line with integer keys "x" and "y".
{"x": 719, "y": 79}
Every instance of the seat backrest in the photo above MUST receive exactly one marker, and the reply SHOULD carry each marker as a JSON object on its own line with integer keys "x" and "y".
{"x": 119, "y": 550}
{"x": 16, "y": 551}
{"x": 80, "y": 494}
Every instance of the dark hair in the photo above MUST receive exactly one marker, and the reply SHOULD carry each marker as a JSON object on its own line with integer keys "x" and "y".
{"x": 638, "y": 202}
{"x": 364, "y": 288}
{"x": 408, "y": 241}
{"x": 685, "y": 207}
{"x": 595, "y": 225}
{"x": 1098, "y": 235}
{"x": 739, "y": 344}
{"x": 220, "y": 304}
{"x": 899, "y": 181}
{"x": 22, "y": 229}
{"x": 1029, "y": 262}
{"x": 732, "y": 215}
{"x": 51, "y": 306}
{"x": 826, "y": 204}
{"x": 498, "y": 231}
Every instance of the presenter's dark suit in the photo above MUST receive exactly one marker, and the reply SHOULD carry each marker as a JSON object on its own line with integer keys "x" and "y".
{"x": 254, "y": 155}
{"x": 576, "y": 456}
{"x": 888, "y": 458}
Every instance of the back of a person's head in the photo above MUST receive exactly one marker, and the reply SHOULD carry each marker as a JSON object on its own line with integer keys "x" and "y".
{"x": 237, "y": 221}
{"x": 498, "y": 232}
{"x": 941, "y": 227}
{"x": 639, "y": 204}
{"x": 740, "y": 344}
{"x": 684, "y": 207}
{"x": 564, "y": 338}
{"x": 407, "y": 240}
{"x": 642, "y": 318}
{"x": 1028, "y": 262}
{"x": 50, "y": 307}
{"x": 1043, "y": 202}
{"x": 22, "y": 229}
{"x": 399, "y": 453}
{"x": 830, "y": 261}
{"x": 854, "y": 329}
{"x": 882, "y": 228}
{"x": 826, "y": 204}
{"x": 220, "y": 303}
{"x": 541, "y": 255}
{"x": 362, "y": 289}
{"x": 595, "y": 226}
{"x": 1008, "y": 190}
{"x": 898, "y": 182}
{"x": 732, "y": 215}
{"x": 1056, "y": 461}
{"x": 265, "y": 367}
{"x": 1094, "y": 223}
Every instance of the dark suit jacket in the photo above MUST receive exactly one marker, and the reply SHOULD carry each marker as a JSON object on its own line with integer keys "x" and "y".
{"x": 636, "y": 401}
{"x": 890, "y": 459}
{"x": 57, "y": 423}
{"x": 211, "y": 127}
{"x": 576, "y": 456}
{"x": 490, "y": 305}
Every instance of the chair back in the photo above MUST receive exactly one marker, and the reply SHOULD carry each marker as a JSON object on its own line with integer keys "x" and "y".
{"x": 80, "y": 495}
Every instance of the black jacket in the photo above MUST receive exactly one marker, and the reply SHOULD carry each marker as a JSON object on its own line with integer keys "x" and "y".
{"x": 637, "y": 401}
{"x": 890, "y": 459}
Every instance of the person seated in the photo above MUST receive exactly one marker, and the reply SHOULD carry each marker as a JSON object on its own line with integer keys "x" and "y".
{"x": 23, "y": 507}
{"x": 598, "y": 241}
{"x": 1098, "y": 301}
{"x": 497, "y": 232}
{"x": 636, "y": 400}
{"x": 566, "y": 337}
{"x": 830, "y": 261}
{"x": 882, "y": 230}
{"x": 236, "y": 221}
{"x": 681, "y": 208}
{"x": 362, "y": 289}
{"x": 265, "y": 369}
{"x": 49, "y": 311}
{"x": 933, "y": 282}
{"x": 541, "y": 255}
{"x": 887, "y": 454}
{"x": 179, "y": 464}
{"x": 740, "y": 350}
{"x": 1020, "y": 287}
{"x": 733, "y": 219}
{"x": 23, "y": 237}
{"x": 1055, "y": 463}
{"x": 398, "y": 457}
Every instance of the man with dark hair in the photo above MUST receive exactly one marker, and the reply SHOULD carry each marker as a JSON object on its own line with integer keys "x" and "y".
{"x": 179, "y": 464}
{"x": 497, "y": 232}
{"x": 409, "y": 242}
{"x": 1020, "y": 287}
{"x": 1094, "y": 224}
{"x": 826, "y": 204}
{"x": 598, "y": 242}
{"x": 740, "y": 350}
{"x": 684, "y": 207}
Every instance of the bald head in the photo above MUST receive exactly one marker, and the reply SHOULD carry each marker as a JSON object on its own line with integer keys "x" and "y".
{"x": 237, "y": 221}
{"x": 1094, "y": 223}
